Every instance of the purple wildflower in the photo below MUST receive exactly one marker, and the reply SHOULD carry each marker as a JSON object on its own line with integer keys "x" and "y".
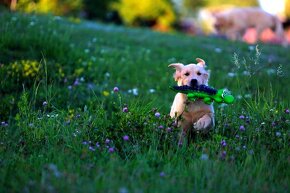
{"x": 223, "y": 143}
{"x": 287, "y": 111}
{"x": 237, "y": 136}
{"x": 169, "y": 129}
{"x": 242, "y": 117}
{"x": 97, "y": 145}
{"x": 111, "y": 150}
{"x": 44, "y": 103}
{"x": 107, "y": 141}
{"x": 125, "y": 110}
{"x": 223, "y": 154}
{"x": 76, "y": 82}
{"x": 242, "y": 128}
{"x": 160, "y": 127}
{"x": 162, "y": 174}
{"x": 91, "y": 148}
{"x": 157, "y": 114}
{"x": 85, "y": 143}
{"x": 125, "y": 137}
{"x": 116, "y": 89}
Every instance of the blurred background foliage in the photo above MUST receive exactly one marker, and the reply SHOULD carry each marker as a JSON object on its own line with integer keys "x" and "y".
{"x": 160, "y": 14}
{"x": 98, "y": 9}
{"x": 55, "y": 7}
{"x": 157, "y": 13}
{"x": 194, "y": 4}
{"x": 287, "y": 8}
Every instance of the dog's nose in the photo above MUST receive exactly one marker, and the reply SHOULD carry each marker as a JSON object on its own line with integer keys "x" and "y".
{"x": 193, "y": 82}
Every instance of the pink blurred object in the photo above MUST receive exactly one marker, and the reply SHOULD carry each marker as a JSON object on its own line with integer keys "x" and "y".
{"x": 267, "y": 36}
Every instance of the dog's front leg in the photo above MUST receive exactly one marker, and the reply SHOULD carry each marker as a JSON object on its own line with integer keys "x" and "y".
{"x": 204, "y": 123}
{"x": 185, "y": 126}
{"x": 178, "y": 105}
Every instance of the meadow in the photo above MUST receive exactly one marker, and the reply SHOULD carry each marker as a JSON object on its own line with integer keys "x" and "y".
{"x": 84, "y": 108}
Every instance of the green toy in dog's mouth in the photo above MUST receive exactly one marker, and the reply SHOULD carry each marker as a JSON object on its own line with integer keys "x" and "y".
{"x": 207, "y": 93}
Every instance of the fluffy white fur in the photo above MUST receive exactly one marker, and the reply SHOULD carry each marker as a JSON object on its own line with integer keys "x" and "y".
{"x": 189, "y": 114}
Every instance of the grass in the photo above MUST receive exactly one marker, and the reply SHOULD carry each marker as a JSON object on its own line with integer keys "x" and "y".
{"x": 63, "y": 127}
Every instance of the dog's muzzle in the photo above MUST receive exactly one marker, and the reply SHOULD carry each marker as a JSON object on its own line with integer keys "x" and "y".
{"x": 193, "y": 82}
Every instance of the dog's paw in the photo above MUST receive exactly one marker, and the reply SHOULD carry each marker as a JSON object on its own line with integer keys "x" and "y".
{"x": 203, "y": 123}
{"x": 173, "y": 113}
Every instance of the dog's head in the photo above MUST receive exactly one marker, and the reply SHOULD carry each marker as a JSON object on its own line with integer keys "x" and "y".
{"x": 191, "y": 74}
{"x": 222, "y": 23}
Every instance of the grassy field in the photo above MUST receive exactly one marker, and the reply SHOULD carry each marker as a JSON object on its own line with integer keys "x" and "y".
{"x": 64, "y": 128}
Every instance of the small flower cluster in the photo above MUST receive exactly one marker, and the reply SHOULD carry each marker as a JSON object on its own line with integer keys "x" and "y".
{"x": 223, "y": 153}
{"x": 108, "y": 144}
{"x": 4, "y": 124}
{"x": 245, "y": 120}
{"x": 91, "y": 146}
{"x": 76, "y": 133}
{"x": 76, "y": 82}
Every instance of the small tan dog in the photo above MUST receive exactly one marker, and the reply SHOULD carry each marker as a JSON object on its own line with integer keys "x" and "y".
{"x": 197, "y": 114}
{"x": 233, "y": 23}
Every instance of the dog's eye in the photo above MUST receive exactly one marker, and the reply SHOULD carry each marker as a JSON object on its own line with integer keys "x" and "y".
{"x": 186, "y": 74}
{"x": 198, "y": 73}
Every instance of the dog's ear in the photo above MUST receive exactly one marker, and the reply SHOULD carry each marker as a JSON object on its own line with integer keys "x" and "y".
{"x": 178, "y": 67}
{"x": 206, "y": 76}
{"x": 201, "y": 62}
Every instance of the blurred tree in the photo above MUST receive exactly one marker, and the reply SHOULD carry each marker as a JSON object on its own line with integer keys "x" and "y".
{"x": 9, "y": 3}
{"x": 56, "y": 7}
{"x": 97, "y": 8}
{"x": 287, "y": 9}
{"x": 244, "y": 3}
{"x": 154, "y": 13}
{"x": 194, "y": 4}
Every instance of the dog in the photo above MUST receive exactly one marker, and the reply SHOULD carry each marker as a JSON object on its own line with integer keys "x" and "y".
{"x": 233, "y": 23}
{"x": 191, "y": 114}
